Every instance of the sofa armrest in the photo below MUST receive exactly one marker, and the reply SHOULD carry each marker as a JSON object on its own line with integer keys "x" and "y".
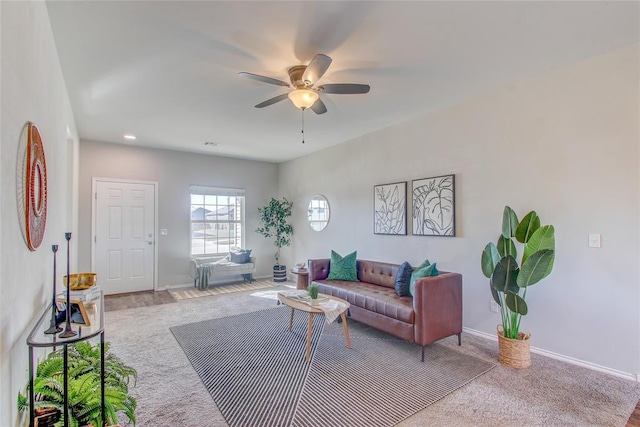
{"x": 193, "y": 268}
{"x": 318, "y": 269}
{"x": 437, "y": 304}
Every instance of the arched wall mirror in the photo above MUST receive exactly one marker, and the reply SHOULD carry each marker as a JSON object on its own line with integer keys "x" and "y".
{"x": 318, "y": 212}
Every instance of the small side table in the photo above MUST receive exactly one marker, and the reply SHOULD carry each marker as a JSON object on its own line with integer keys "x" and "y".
{"x": 303, "y": 278}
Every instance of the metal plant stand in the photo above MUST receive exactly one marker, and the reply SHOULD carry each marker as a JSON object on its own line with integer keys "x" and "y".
{"x": 39, "y": 339}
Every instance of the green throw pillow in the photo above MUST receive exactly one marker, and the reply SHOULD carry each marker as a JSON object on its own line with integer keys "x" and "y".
{"x": 343, "y": 268}
{"x": 424, "y": 264}
{"x": 419, "y": 273}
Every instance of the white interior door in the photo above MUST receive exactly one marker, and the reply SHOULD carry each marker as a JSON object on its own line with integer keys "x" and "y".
{"x": 124, "y": 238}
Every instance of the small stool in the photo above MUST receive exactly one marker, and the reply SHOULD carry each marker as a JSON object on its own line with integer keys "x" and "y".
{"x": 303, "y": 278}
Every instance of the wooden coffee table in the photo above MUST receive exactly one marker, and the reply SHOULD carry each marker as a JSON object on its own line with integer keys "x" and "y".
{"x": 295, "y": 304}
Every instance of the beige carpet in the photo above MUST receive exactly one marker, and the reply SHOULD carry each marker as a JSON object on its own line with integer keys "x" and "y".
{"x": 187, "y": 293}
{"x": 549, "y": 393}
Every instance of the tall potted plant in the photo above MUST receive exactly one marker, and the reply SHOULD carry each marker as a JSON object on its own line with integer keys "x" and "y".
{"x": 273, "y": 219}
{"x": 509, "y": 280}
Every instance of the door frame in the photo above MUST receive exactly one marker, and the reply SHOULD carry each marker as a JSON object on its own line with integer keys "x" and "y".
{"x": 94, "y": 200}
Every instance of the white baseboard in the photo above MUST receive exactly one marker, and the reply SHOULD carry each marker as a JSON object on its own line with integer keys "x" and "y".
{"x": 563, "y": 358}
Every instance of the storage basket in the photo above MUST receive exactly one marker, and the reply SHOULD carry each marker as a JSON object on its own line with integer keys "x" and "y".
{"x": 279, "y": 273}
{"x": 514, "y": 352}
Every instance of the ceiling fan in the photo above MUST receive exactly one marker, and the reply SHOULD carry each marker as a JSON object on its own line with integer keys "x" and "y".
{"x": 302, "y": 78}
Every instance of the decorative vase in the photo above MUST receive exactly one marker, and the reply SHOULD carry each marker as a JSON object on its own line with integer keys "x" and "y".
{"x": 279, "y": 273}
{"x": 514, "y": 352}
{"x": 314, "y": 302}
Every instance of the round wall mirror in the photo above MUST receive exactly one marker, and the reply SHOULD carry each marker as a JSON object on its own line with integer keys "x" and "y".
{"x": 318, "y": 213}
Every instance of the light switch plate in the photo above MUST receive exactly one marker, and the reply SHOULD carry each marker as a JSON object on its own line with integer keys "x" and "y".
{"x": 164, "y": 232}
{"x": 493, "y": 306}
{"x": 594, "y": 240}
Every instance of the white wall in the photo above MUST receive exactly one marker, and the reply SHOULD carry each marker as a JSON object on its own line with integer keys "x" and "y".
{"x": 175, "y": 172}
{"x": 565, "y": 144}
{"x": 32, "y": 90}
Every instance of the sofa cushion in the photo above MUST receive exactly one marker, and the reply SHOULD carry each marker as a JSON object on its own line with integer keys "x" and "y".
{"x": 419, "y": 273}
{"x": 343, "y": 268}
{"x": 377, "y": 273}
{"x": 379, "y": 299}
{"x": 403, "y": 279}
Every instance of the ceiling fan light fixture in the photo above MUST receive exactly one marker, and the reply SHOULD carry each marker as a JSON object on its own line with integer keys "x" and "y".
{"x": 303, "y": 98}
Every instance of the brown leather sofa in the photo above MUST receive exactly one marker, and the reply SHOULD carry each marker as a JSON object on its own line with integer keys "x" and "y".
{"x": 435, "y": 311}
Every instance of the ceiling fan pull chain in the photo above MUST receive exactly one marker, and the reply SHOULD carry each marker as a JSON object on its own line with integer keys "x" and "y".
{"x": 303, "y": 125}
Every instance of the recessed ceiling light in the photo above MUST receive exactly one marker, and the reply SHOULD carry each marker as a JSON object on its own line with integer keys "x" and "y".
{"x": 211, "y": 144}
{"x": 131, "y": 137}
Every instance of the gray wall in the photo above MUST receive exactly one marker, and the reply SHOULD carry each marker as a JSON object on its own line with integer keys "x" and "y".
{"x": 175, "y": 172}
{"x": 565, "y": 144}
{"x": 33, "y": 89}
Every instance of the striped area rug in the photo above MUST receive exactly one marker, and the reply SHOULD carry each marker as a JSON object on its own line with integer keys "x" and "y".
{"x": 251, "y": 364}
{"x": 186, "y": 293}
{"x": 257, "y": 375}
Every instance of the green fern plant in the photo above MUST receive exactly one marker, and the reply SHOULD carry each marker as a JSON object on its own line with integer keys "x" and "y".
{"x": 84, "y": 386}
{"x": 509, "y": 280}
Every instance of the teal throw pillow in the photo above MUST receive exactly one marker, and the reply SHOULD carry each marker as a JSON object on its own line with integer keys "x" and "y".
{"x": 424, "y": 264}
{"x": 419, "y": 273}
{"x": 343, "y": 268}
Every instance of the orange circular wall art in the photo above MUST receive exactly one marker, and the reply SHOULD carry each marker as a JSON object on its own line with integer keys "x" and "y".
{"x": 35, "y": 176}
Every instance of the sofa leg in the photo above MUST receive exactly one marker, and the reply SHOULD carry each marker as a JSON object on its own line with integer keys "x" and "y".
{"x": 460, "y": 338}
{"x": 423, "y": 347}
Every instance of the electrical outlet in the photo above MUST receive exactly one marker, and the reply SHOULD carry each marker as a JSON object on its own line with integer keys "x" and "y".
{"x": 493, "y": 306}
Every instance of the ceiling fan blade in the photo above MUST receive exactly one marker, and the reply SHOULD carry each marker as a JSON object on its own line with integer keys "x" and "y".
{"x": 263, "y": 79}
{"x": 318, "y": 107}
{"x": 316, "y": 68}
{"x": 344, "y": 88}
{"x": 272, "y": 100}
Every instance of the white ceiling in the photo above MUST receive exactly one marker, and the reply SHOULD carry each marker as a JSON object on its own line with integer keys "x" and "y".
{"x": 167, "y": 71}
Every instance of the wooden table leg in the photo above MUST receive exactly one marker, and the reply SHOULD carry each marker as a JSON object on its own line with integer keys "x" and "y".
{"x": 291, "y": 320}
{"x": 309, "y": 332}
{"x": 346, "y": 329}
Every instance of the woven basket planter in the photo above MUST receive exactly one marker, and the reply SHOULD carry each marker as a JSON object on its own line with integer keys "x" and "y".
{"x": 514, "y": 352}
{"x": 279, "y": 273}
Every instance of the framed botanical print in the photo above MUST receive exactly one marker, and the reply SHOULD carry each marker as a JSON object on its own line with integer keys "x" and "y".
{"x": 390, "y": 208}
{"x": 434, "y": 206}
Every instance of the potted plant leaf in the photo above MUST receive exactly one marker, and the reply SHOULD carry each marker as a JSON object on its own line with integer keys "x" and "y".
{"x": 313, "y": 294}
{"x": 510, "y": 280}
{"x": 274, "y": 224}
{"x": 84, "y": 386}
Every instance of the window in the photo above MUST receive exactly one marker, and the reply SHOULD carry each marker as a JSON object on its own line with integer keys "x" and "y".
{"x": 217, "y": 220}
